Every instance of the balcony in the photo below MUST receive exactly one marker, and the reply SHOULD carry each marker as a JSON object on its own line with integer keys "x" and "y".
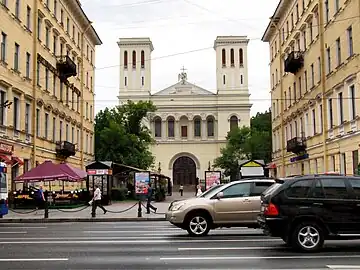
{"x": 66, "y": 67}
{"x": 65, "y": 149}
{"x": 294, "y": 62}
{"x": 296, "y": 145}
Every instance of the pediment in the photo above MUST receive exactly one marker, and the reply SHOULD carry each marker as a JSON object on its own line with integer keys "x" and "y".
{"x": 183, "y": 88}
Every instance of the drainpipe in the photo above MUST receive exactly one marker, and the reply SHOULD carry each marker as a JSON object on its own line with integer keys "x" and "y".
{"x": 282, "y": 109}
{"x": 82, "y": 95}
{"x": 325, "y": 130}
{"x": 34, "y": 82}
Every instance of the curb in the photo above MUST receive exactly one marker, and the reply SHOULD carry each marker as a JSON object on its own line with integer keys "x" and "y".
{"x": 64, "y": 220}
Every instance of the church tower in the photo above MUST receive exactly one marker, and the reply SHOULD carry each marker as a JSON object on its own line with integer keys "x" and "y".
{"x": 135, "y": 67}
{"x": 231, "y": 64}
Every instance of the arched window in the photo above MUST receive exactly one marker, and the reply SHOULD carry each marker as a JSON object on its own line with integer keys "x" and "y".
{"x": 157, "y": 124}
{"x": 241, "y": 79}
{"x": 210, "y": 126}
{"x": 223, "y": 57}
{"x": 241, "y": 57}
{"x": 134, "y": 59}
{"x": 224, "y": 80}
{"x": 171, "y": 127}
{"x": 232, "y": 58}
{"x": 197, "y": 127}
{"x": 142, "y": 59}
{"x": 125, "y": 59}
{"x": 233, "y": 122}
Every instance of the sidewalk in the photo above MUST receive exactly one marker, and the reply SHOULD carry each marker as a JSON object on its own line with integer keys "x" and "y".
{"x": 120, "y": 211}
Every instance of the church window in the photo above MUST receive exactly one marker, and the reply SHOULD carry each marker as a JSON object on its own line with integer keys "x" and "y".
{"x": 171, "y": 126}
{"x": 232, "y": 58}
{"x": 233, "y": 122}
{"x": 197, "y": 127}
{"x": 125, "y": 59}
{"x": 142, "y": 59}
{"x": 210, "y": 126}
{"x": 142, "y": 80}
{"x": 241, "y": 79}
{"x": 125, "y": 81}
{"x": 241, "y": 57}
{"x": 223, "y": 56}
{"x": 183, "y": 131}
{"x": 157, "y": 123}
{"x": 224, "y": 80}
{"x": 134, "y": 59}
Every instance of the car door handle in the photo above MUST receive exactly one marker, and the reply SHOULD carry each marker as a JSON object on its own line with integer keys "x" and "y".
{"x": 246, "y": 200}
{"x": 317, "y": 203}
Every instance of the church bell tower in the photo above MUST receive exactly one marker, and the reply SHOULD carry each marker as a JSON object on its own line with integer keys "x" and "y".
{"x": 231, "y": 64}
{"x": 135, "y": 67}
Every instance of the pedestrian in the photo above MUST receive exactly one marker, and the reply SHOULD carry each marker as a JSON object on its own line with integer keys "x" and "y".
{"x": 181, "y": 189}
{"x": 40, "y": 198}
{"x": 97, "y": 201}
{"x": 149, "y": 197}
{"x": 199, "y": 191}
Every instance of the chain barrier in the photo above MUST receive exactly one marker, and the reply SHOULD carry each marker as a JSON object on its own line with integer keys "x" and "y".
{"x": 122, "y": 211}
{"x": 24, "y": 213}
{"x": 72, "y": 211}
{"x": 152, "y": 211}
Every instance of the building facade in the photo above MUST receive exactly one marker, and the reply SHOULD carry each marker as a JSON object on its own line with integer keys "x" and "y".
{"x": 191, "y": 123}
{"x": 47, "y": 74}
{"x": 315, "y": 78}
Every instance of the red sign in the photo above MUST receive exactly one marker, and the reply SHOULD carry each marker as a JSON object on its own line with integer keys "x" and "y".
{"x": 6, "y": 148}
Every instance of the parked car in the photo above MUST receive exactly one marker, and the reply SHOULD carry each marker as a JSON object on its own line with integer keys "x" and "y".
{"x": 307, "y": 210}
{"x": 230, "y": 205}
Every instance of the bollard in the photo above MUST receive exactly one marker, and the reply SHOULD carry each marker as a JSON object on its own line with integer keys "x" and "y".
{"x": 139, "y": 210}
{"x": 46, "y": 210}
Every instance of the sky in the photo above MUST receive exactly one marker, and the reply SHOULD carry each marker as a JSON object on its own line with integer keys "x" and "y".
{"x": 178, "y": 27}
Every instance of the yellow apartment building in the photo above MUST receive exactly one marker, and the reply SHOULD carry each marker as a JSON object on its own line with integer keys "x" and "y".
{"x": 47, "y": 74}
{"x": 315, "y": 81}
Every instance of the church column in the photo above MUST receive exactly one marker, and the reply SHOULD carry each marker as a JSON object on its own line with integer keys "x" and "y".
{"x": 203, "y": 129}
{"x": 177, "y": 129}
{"x": 163, "y": 129}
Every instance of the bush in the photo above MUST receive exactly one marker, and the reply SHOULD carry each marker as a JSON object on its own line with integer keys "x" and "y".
{"x": 119, "y": 194}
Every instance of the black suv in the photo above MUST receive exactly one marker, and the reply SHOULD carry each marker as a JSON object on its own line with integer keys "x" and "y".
{"x": 306, "y": 210}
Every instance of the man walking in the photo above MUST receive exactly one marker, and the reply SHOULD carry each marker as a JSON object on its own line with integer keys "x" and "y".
{"x": 40, "y": 198}
{"x": 149, "y": 196}
{"x": 97, "y": 201}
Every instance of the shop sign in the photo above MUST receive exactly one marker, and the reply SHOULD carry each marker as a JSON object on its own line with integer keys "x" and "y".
{"x": 6, "y": 148}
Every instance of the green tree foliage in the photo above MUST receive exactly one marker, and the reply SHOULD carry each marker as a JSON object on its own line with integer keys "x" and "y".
{"x": 121, "y": 137}
{"x": 246, "y": 143}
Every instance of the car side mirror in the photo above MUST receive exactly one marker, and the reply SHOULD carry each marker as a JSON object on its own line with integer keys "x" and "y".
{"x": 220, "y": 195}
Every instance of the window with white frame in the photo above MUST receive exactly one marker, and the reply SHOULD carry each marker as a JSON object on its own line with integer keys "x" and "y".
{"x": 331, "y": 113}
{"x": 352, "y": 101}
{"x": 320, "y": 118}
{"x": 341, "y": 108}
{"x": 314, "y": 121}
{"x": 338, "y": 52}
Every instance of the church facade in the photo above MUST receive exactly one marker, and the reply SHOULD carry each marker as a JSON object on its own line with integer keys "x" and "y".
{"x": 191, "y": 123}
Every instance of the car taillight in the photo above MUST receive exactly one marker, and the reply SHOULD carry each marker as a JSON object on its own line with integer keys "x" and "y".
{"x": 271, "y": 210}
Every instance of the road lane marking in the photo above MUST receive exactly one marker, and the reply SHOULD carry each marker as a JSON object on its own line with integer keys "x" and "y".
{"x": 111, "y": 241}
{"x": 13, "y": 232}
{"x": 231, "y": 248}
{"x": 14, "y": 227}
{"x": 257, "y": 258}
{"x": 34, "y": 260}
{"x": 346, "y": 267}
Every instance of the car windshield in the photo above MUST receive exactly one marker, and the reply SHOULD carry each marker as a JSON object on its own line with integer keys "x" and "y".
{"x": 211, "y": 191}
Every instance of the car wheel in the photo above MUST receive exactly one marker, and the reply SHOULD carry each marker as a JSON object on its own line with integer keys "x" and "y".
{"x": 308, "y": 237}
{"x": 198, "y": 225}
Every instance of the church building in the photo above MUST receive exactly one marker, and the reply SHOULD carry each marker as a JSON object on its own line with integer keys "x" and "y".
{"x": 191, "y": 123}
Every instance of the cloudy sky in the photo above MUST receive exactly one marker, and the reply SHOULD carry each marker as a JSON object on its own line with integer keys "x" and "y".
{"x": 179, "y": 27}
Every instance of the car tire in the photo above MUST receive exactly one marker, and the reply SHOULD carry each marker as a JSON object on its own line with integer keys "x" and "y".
{"x": 198, "y": 224}
{"x": 307, "y": 237}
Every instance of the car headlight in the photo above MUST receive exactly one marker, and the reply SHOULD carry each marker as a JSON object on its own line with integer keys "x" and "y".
{"x": 177, "y": 206}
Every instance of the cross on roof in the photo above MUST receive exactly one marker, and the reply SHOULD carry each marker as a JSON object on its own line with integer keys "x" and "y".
{"x": 183, "y": 69}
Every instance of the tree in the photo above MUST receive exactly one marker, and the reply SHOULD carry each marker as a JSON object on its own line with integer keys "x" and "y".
{"x": 246, "y": 143}
{"x": 121, "y": 136}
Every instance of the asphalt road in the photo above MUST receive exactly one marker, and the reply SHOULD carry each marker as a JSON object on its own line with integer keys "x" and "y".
{"x": 156, "y": 245}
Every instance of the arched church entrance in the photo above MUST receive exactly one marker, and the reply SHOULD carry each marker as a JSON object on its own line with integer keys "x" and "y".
{"x": 184, "y": 171}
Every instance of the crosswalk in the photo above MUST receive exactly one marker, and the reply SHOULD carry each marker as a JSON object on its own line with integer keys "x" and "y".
{"x": 158, "y": 245}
